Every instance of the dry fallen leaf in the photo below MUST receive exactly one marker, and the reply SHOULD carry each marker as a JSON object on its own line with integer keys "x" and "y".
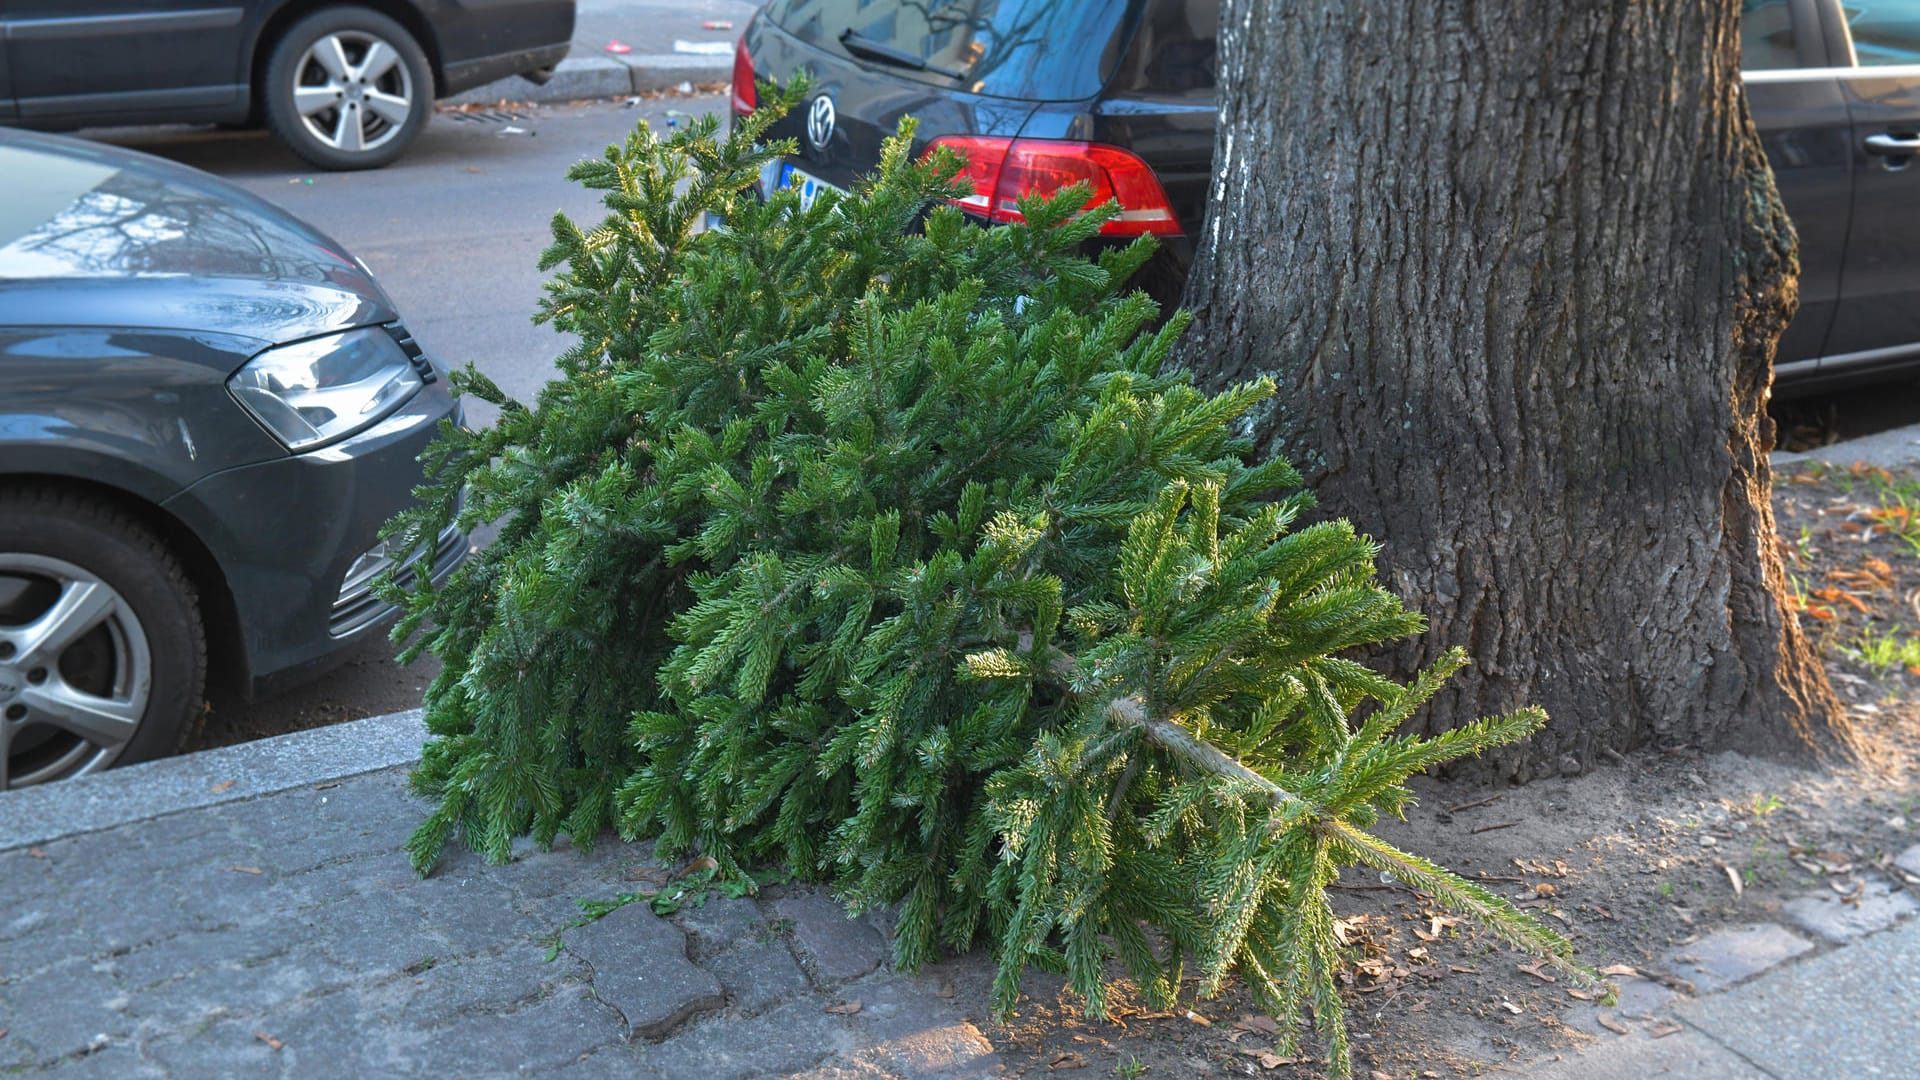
{"x": 272, "y": 1043}
{"x": 1068, "y": 1060}
{"x": 1583, "y": 995}
{"x": 1533, "y": 969}
{"x": 1418, "y": 1006}
{"x": 1664, "y": 1028}
{"x": 1458, "y": 970}
{"x": 1378, "y": 1075}
{"x": 36, "y": 853}
{"x": 1627, "y": 970}
{"x": 704, "y": 862}
{"x": 1613, "y": 1025}
{"x": 845, "y": 1008}
{"x": 1266, "y": 1025}
{"x": 1271, "y": 1060}
{"x": 1512, "y": 1008}
{"x": 247, "y": 870}
{"x": 1733, "y": 878}
{"x": 221, "y": 786}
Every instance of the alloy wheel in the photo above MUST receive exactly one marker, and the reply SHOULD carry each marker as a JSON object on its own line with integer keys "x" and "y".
{"x": 76, "y": 672}
{"x": 352, "y": 91}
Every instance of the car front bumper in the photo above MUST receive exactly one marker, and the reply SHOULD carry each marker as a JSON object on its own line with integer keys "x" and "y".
{"x": 288, "y": 534}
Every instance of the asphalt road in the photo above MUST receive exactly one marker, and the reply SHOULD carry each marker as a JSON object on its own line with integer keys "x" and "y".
{"x": 453, "y": 231}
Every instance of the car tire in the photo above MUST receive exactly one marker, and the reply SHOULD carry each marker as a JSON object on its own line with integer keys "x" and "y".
{"x": 129, "y": 657}
{"x": 323, "y": 101}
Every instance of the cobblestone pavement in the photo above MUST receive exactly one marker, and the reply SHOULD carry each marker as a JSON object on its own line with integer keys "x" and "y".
{"x": 286, "y": 936}
{"x": 242, "y": 933}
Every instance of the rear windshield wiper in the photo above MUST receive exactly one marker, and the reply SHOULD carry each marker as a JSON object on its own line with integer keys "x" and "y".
{"x": 869, "y": 49}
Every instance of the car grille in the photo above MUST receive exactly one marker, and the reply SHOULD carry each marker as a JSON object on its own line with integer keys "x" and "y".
{"x": 358, "y": 607}
{"x": 415, "y": 354}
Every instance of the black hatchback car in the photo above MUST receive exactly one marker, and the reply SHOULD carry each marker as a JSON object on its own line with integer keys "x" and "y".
{"x": 207, "y": 412}
{"x": 344, "y": 85}
{"x": 1041, "y": 93}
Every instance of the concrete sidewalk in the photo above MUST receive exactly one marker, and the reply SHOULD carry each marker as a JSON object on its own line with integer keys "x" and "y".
{"x": 1851, "y": 1011}
{"x": 266, "y": 921}
{"x": 658, "y": 35}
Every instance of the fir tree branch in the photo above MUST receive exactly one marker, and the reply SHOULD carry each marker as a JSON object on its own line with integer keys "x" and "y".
{"x": 1178, "y": 741}
{"x": 1510, "y": 924}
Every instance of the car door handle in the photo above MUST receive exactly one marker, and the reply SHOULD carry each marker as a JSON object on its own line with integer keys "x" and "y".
{"x": 1892, "y": 144}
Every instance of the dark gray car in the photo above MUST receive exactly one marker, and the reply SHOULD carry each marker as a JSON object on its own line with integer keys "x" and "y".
{"x": 207, "y": 411}
{"x": 345, "y": 85}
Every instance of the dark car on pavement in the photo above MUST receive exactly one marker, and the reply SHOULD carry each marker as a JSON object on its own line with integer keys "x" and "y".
{"x": 1041, "y": 93}
{"x": 344, "y": 85}
{"x": 207, "y": 412}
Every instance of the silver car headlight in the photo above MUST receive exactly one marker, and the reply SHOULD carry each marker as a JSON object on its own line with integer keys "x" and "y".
{"x": 326, "y": 388}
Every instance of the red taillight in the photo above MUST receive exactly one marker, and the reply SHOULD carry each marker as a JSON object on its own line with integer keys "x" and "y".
{"x": 744, "y": 99}
{"x": 1004, "y": 170}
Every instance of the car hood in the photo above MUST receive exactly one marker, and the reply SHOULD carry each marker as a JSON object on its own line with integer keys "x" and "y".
{"x": 98, "y": 236}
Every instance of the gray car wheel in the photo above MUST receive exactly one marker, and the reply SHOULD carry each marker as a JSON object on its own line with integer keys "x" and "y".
{"x": 102, "y": 653}
{"x": 348, "y": 88}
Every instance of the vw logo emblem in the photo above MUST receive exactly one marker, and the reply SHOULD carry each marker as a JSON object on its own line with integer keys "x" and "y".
{"x": 820, "y": 122}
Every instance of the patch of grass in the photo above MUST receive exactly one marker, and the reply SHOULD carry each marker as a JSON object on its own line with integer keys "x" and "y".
{"x": 1129, "y": 1068}
{"x": 590, "y": 910}
{"x": 772, "y": 930}
{"x": 697, "y": 882}
{"x": 1898, "y": 497}
{"x": 1803, "y": 550}
{"x": 1884, "y": 651}
{"x": 1766, "y": 805}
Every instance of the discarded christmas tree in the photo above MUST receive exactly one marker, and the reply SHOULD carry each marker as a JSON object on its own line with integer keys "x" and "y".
{"x": 867, "y": 541}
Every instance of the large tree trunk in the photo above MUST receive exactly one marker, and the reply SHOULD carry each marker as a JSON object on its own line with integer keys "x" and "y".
{"x": 1518, "y": 269}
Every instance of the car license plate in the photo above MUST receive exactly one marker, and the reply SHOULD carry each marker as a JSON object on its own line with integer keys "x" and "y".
{"x": 808, "y": 186}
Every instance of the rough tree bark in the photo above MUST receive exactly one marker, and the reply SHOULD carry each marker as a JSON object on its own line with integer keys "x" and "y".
{"x": 1519, "y": 269}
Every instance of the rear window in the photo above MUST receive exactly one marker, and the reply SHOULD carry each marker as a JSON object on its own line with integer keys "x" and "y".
{"x": 1040, "y": 50}
{"x": 1174, "y": 49}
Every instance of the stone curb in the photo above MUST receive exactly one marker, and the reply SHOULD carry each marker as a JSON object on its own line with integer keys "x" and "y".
{"x": 602, "y": 77}
{"x": 1888, "y": 449}
{"x": 39, "y": 815}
